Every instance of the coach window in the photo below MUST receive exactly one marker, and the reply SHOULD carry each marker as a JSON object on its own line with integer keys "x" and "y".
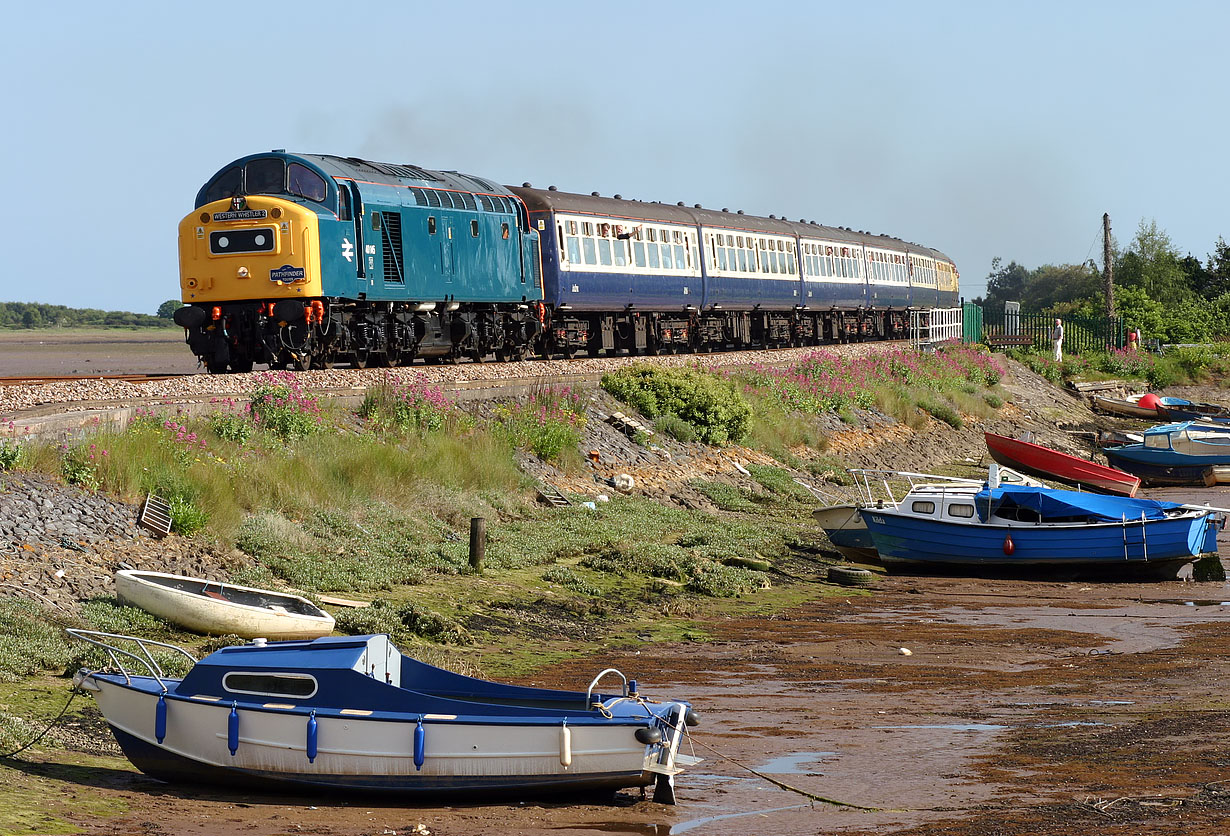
{"x": 573, "y": 243}
{"x": 668, "y": 261}
{"x": 589, "y": 250}
{"x": 604, "y": 251}
{"x": 638, "y": 253}
{"x": 620, "y": 248}
{"x": 790, "y": 266}
{"x": 266, "y": 176}
{"x": 431, "y": 225}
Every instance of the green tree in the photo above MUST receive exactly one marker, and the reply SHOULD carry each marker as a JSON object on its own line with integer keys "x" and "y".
{"x": 1152, "y": 263}
{"x": 1004, "y": 284}
{"x": 168, "y": 308}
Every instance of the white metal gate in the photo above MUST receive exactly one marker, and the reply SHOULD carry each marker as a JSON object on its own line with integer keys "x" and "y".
{"x": 938, "y": 325}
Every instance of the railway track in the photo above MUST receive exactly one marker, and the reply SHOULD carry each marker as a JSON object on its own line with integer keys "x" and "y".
{"x": 35, "y": 380}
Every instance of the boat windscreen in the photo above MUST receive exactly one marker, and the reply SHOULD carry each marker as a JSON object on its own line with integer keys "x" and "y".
{"x": 1055, "y": 504}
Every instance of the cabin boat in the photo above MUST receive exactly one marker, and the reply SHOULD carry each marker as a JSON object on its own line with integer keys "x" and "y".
{"x": 1052, "y": 464}
{"x": 352, "y": 713}
{"x": 220, "y": 609}
{"x": 1183, "y": 453}
{"x": 1188, "y": 411}
{"x": 844, "y": 526}
{"x": 939, "y": 525}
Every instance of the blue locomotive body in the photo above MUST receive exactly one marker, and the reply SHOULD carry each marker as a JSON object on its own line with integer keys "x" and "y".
{"x": 310, "y": 259}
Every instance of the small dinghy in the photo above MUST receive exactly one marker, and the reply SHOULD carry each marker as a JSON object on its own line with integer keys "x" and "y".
{"x": 351, "y": 713}
{"x": 220, "y": 609}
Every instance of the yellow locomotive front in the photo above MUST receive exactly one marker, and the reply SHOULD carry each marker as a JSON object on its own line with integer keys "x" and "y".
{"x": 246, "y": 264}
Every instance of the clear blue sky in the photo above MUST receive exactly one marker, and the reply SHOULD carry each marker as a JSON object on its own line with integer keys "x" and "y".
{"x": 980, "y": 129}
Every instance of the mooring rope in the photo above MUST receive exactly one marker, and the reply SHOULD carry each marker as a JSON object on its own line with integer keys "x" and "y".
{"x": 71, "y": 695}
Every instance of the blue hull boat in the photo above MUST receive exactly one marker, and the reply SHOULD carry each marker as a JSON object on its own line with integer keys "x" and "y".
{"x": 1028, "y": 528}
{"x": 1183, "y": 453}
{"x": 353, "y": 714}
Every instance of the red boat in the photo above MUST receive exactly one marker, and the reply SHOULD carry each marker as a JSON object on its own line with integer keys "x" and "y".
{"x": 1052, "y": 464}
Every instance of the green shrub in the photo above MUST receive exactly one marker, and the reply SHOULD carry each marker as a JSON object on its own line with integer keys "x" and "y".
{"x": 713, "y": 405}
{"x": 565, "y": 577}
{"x": 282, "y": 407}
{"x": 943, "y": 412}
{"x": 402, "y": 622}
{"x": 407, "y": 405}
{"x": 31, "y": 640}
{"x": 231, "y": 426}
{"x": 549, "y": 424}
{"x": 727, "y": 497}
{"x": 676, "y": 428}
{"x": 993, "y": 400}
{"x": 719, "y": 581}
{"x": 10, "y": 455}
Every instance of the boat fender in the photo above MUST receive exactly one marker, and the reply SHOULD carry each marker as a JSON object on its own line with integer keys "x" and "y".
{"x": 160, "y": 718}
{"x": 232, "y": 729}
{"x": 565, "y": 744}
{"x": 649, "y": 735}
{"x": 420, "y": 745}
{"x": 1009, "y": 546}
{"x": 690, "y": 718}
{"x": 312, "y": 737}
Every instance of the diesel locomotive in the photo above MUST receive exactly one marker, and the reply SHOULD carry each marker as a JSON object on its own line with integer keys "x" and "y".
{"x": 306, "y": 260}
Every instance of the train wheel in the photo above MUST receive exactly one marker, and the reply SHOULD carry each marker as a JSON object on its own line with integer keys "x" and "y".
{"x": 215, "y": 367}
{"x": 241, "y": 366}
{"x": 302, "y": 362}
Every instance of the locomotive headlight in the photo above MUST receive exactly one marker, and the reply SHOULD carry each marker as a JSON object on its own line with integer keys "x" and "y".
{"x": 275, "y": 212}
{"x": 204, "y": 217}
{"x": 242, "y": 272}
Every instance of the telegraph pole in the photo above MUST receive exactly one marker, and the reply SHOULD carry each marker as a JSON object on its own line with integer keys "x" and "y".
{"x": 1108, "y": 268}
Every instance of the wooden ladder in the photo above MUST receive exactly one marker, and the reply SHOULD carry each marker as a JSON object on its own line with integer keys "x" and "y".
{"x": 551, "y": 495}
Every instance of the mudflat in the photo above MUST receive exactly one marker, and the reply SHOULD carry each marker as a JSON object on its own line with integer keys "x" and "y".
{"x": 1024, "y": 707}
{"x": 81, "y": 351}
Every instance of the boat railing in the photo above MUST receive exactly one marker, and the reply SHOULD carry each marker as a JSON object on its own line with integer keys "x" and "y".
{"x": 876, "y": 485}
{"x": 143, "y": 655}
{"x": 589, "y": 694}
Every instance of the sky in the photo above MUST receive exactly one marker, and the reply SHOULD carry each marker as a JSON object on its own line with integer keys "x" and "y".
{"x": 983, "y": 130}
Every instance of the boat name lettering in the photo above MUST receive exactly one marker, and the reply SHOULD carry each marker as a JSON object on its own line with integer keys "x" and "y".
{"x": 878, "y": 520}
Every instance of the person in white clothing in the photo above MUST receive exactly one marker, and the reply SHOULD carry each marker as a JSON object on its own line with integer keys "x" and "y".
{"x": 1057, "y": 340}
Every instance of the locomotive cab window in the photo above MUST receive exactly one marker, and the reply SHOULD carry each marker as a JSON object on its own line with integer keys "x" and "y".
{"x": 265, "y": 177}
{"x": 473, "y": 229}
{"x": 228, "y": 184}
{"x": 431, "y": 225}
{"x": 306, "y": 183}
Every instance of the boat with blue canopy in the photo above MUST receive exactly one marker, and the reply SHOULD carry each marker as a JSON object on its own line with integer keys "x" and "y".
{"x": 352, "y": 713}
{"x": 1181, "y": 453}
{"x": 1026, "y": 528}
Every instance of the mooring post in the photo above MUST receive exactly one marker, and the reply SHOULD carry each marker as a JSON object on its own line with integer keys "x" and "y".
{"x": 478, "y": 543}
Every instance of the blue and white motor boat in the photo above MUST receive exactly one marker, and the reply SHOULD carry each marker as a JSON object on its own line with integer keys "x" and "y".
{"x": 353, "y": 713}
{"x": 1182, "y": 453}
{"x": 945, "y": 525}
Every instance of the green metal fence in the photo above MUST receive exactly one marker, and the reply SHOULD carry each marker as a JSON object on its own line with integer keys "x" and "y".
{"x": 971, "y": 318}
{"x": 1080, "y": 333}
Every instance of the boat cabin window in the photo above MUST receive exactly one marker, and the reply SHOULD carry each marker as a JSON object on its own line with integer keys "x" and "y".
{"x": 1158, "y": 440}
{"x": 919, "y": 507}
{"x": 961, "y": 510}
{"x": 295, "y": 685}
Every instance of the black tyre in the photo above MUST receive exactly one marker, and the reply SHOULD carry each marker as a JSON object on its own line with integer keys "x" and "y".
{"x": 850, "y": 576}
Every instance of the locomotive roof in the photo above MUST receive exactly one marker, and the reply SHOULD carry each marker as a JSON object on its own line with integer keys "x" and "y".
{"x": 618, "y": 207}
{"x": 401, "y": 174}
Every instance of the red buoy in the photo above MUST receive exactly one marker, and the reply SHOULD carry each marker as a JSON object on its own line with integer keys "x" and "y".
{"x": 1149, "y": 401}
{"x": 1009, "y": 546}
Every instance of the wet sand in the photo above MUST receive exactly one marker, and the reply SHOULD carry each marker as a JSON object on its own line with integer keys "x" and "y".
{"x": 72, "y": 351}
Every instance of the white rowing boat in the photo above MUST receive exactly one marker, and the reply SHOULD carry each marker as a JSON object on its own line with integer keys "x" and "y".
{"x": 218, "y": 608}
